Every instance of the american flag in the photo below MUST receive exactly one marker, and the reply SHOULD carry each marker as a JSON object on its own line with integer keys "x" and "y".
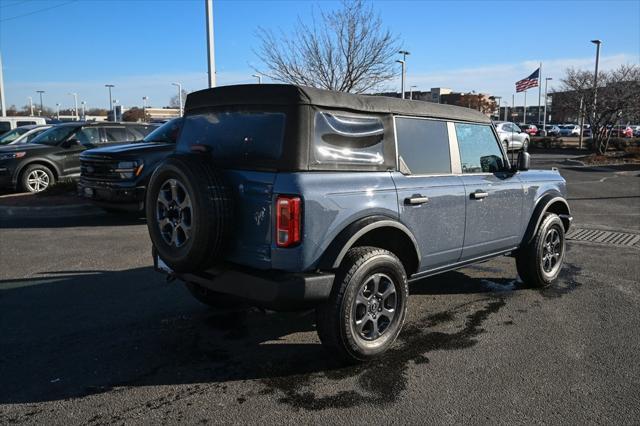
{"x": 529, "y": 82}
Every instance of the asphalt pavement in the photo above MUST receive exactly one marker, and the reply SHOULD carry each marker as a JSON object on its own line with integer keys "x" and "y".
{"x": 89, "y": 334}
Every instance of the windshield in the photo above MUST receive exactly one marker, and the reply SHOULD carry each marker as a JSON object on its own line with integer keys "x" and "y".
{"x": 12, "y": 135}
{"x": 167, "y": 133}
{"x": 54, "y": 135}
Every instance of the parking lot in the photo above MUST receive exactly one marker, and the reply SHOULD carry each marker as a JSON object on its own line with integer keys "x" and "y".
{"x": 91, "y": 334}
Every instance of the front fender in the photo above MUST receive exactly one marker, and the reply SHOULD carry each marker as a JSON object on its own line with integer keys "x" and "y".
{"x": 554, "y": 202}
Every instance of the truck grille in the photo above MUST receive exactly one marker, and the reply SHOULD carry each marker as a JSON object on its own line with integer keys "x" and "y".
{"x": 95, "y": 167}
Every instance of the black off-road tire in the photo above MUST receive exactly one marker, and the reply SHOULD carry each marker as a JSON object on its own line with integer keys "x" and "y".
{"x": 213, "y": 299}
{"x": 530, "y": 259}
{"x": 210, "y": 211}
{"x": 335, "y": 318}
{"x": 32, "y": 169}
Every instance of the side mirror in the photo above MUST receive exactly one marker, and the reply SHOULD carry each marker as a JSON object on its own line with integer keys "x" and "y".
{"x": 70, "y": 142}
{"x": 524, "y": 161}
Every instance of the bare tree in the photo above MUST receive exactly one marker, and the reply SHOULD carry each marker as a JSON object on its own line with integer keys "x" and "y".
{"x": 175, "y": 101}
{"x": 618, "y": 95}
{"x": 347, "y": 50}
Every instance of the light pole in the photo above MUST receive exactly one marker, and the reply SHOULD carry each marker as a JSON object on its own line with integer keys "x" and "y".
{"x": 75, "y": 100}
{"x": 109, "y": 86}
{"x": 41, "y": 106}
{"x": 211, "y": 58}
{"x": 544, "y": 119}
{"x": 31, "y": 106}
{"x": 499, "y": 98}
{"x": 258, "y": 76}
{"x": 84, "y": 111}
{"x": 3, "y": 106}
{"x": 411, "y": 92}
{"x": 58, "y": 111}
{"x": 144, "y": 107}
{"x": 179, "y": 86}
{"x": 402, "y": 79}
{"x": 115, "y": 114}
{"x": 404, "y": 54}
{"x": 595, "y": 76}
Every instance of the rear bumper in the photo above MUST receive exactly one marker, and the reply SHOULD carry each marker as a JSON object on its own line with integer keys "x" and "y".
{"x": 275, "y": 290}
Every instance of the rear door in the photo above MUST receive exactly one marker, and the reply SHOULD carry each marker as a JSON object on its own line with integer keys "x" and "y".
{"x": 494, "y": 196}
{"x": 431, "y": 198}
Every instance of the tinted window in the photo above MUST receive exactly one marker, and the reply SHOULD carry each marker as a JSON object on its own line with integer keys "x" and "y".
{"x": 33, "y": 135}
{"x": 167, "y": 133}
{"x": 346, "y": 139}
{"x": 423, "y": 146}
{"x": 115, "y": 134}
{"x": 4, "y": 126}
{"x": 54, "y": 135}
{"x": 24, "y": 123}
{"x": 88, "y": 136}
{"x": 236, "y": 135}
{"x": 479, "y": 150}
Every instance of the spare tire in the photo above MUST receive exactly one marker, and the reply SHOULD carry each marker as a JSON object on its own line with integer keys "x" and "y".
{"x": 189, "y": 213}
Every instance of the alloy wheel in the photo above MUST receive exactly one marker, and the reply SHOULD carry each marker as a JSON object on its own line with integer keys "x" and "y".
{"x": 375, "y": 306}
{"x": 174, "y": 213}
{"x": 551, "y": 251}
{"x": 37, "y": 180}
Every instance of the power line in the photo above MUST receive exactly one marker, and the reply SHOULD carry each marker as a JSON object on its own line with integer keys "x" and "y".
{"x": 38, "y": 11}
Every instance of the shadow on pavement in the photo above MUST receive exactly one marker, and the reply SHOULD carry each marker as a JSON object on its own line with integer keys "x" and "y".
{"x": 68, "y": 335}
{"x": 106, "y": 219}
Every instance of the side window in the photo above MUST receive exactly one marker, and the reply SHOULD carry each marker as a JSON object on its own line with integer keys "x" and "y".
{"x": 479, "y": 149}
{"x": 115, "y": 134}
{"x": 134, "y": 135}
{"x": 5, "y": 126}
{"x": 342, "y": 139}
{"x": 88, "y": 136}
{"x": 423, "y": 146}
{"x": 24, "y": 123}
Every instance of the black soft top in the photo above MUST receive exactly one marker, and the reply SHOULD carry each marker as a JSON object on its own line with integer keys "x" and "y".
{"x": 290, "y": 95}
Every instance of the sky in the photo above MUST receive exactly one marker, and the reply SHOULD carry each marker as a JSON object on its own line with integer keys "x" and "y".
{"x": 141, "y": 46}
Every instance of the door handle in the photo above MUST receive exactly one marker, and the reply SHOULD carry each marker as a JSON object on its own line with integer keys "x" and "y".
{"x": 479, "y": 195}
{"x": 416, "y": 200}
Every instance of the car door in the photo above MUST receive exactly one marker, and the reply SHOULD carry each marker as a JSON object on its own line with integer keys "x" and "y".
{"x": 494, "y": 195}
{"x": 431, "y": 196}
{"x": 87, "y": 138}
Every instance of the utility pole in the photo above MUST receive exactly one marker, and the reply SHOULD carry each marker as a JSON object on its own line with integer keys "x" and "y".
{"x": 2, "y": 94}
{"x": 258, "y": 76}
{"x": 581, "y": 122}
{"x": 115, "y": 115}
{"x": 30, "y": 106}
{"x": 58, "y": 111}
{"x": 513, "y": 106}
{"x": 84, "y": 112}
{"x": 40, "y": 92}
{"x": 179, "y": 86}
{"x": 211, "y": 60}
{"x": 544, "y": 122}
{"x": 524, "y": 113}
{"x": 402, "y": 79}
{"x": 109, "y": 86}
{"x": 75, "y": 100}
{"x": 539, "y": 89}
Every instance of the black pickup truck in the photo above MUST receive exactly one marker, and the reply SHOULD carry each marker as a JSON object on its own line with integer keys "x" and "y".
{"x": 116, "y": 177}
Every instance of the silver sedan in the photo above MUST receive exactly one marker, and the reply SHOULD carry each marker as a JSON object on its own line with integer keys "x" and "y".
{"x": 512, "y": 137}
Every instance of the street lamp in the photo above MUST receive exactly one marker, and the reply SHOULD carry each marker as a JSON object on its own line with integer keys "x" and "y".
{"x": 144, "y": 107}
{"x": 499, "y": 98}
{"x": 109, "y": 86}
{"x": 258, "y": 76}
{"x": 404, "y": 54}
{"x": 31, "y": 106}
{"x": 402, "y": 78}
{"x": 179, "y": 86}
{"x": 595, "y": 76}
{"x": 84, "y": 112}
{"x": 115, "y": 115}
{"x": 58, "y": 111}
{"x": 75, "y": 100}
{"x": 411, "y": 92}
{"x": 544, "y": 120}
{"x": 41, "y": 107}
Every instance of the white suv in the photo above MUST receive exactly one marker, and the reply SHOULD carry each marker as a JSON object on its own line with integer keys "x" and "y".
{"x": 511, "y": 136}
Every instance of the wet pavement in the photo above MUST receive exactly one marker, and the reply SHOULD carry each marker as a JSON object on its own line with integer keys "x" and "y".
{"x": 91, "y": 335}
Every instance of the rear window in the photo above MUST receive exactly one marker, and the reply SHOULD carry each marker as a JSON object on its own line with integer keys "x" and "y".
{"x": 235, "y": 135}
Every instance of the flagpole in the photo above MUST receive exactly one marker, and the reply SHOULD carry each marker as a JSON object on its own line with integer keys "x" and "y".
{"x": 513, "y": 106}
{"x": 539, "y": 90}
{"x": 524, "y": 114}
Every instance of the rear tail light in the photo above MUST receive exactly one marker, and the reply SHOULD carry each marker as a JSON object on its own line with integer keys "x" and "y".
{"x": 288, "y": 220}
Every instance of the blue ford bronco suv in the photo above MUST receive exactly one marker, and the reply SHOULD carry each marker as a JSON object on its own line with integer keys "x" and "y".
{"x": 291, "y": 197}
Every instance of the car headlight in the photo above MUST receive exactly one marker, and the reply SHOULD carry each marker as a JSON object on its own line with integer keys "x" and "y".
{"x": 129, "y": 169}
{"x": 12, "y": 155}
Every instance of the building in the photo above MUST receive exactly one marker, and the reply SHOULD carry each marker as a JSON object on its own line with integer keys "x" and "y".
{"x": 516, "y": 115}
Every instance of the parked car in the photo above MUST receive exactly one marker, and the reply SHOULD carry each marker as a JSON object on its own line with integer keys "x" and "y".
{"x": 621, "y": 132}
{"x": 552, "y": 130}
{"x": 291, "y": 197}
{"x": 569, "y": 130}
{"x": 512, "y": 137}
{"x": 116, "y": 177}
{"x": 530, "y": 129}
{"x": 10, "y": 123}
{"x": 22, "y": 134}
{"x": 55, "y": 153}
